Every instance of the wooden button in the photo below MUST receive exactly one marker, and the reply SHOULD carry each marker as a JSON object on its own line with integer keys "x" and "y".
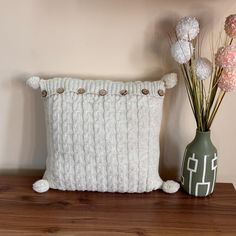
{"x": 60, "y": 90}
{"x": 102, "y": 92}
{"x": 145, "y": 91}
{"x": 81, "y": 91}
{"x": 123, "y": 92}
{"x": 161, "y": 92}
{"x": 44, "y": 93}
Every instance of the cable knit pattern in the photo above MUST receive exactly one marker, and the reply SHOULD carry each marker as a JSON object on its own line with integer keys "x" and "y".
{"x": 102, "y": 141}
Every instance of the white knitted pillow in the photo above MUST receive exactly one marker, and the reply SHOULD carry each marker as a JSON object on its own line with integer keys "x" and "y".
{"x": 102, "y": 135}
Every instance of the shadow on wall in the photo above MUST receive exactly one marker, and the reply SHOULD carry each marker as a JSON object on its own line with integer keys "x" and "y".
{"x": 158, "y": 52}
{"x": 28, "y": 149}
{"x": 37, "y": 146}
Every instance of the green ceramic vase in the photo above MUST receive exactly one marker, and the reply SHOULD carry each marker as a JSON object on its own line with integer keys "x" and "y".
{"x": 199, "y": 166}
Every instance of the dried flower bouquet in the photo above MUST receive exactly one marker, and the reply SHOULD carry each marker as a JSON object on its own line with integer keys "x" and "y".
{"x": 205, "y": 98}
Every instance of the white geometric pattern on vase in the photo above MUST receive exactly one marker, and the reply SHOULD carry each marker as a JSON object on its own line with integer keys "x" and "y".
{"x": 203, "y": 182}
{"x": 192, "y": 166}
{"x": 214, "y": 168}
{"x": 191, "y": 170}
{"x": 194, "y": 162}
{"x": 182, "y": 180}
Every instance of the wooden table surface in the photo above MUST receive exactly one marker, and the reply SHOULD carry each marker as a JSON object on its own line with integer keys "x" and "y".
{"x": 24, "y": 212}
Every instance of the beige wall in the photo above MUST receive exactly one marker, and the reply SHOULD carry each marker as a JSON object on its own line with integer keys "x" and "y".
{"x": 123, "y": 40}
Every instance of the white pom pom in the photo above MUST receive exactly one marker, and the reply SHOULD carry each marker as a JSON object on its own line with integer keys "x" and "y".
{"x": 182, "y": 51}
{"x": 187, "y": 28}
{"x": 170, "y": 80}
{"x": 41, "y": 186}
{"x": 203, "y": 68}
{"x": 170, "y": 186}
{"x": 33, "y": 82}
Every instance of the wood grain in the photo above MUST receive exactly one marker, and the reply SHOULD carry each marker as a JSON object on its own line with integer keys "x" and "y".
{"x": 24, "y": 212}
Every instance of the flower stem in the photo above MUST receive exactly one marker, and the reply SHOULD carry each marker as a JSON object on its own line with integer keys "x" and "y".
{"x": 216, "y": 108}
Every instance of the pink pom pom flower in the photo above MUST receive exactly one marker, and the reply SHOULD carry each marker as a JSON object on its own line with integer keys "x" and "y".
{"x": 227, "y": 81}
{"x": 230, "y": 26}
{"x": 226, "y": 56}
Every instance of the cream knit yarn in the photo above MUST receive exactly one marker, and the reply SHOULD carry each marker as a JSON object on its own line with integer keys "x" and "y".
{"x": 102, "y": 135}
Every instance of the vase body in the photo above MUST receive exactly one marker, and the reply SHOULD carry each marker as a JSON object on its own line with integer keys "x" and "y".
{"x": 199, "y": 166}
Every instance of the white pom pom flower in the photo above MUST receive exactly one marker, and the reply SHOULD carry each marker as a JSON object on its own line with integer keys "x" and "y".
{"x": 170, "y": 80}
{"x": 203, "y": 68}
{"x": 41, "y": 186}
{"x": 187, "y": 28}
{"x": 182, "y": 51}
{"x": 33, "y": 82}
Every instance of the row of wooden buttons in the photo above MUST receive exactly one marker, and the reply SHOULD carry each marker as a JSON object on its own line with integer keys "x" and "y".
{"x": 103, "y": 92}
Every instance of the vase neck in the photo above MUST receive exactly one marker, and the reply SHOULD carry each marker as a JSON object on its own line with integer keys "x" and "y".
{"x": 202, "y": 135}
